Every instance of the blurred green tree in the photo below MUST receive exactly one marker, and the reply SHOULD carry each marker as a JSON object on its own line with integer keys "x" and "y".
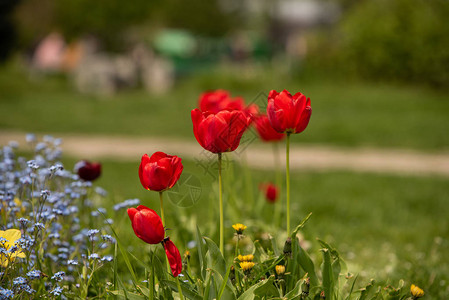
{"x": 111, "y": 20}
{"x": 404, "y": 40}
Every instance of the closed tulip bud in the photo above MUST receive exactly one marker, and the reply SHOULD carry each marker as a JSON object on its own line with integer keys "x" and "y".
{"x": 147, "y": 224}
{"x": 287, "y": 113}
{"x": 159, "y": 172}
{"x": 88, "y": 171}
{"x": 271, "y": 192}
{"x": 173, "y": 256}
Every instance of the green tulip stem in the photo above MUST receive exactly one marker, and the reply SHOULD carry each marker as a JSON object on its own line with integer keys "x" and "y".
{"x": 278, "y": 181}
{"x": 179, "y": 288}
{"x": 162, "y": 209}
{"x": 220, "y": 196}
{"x": 287, "y": 175}
{"x": 163, "y": 224}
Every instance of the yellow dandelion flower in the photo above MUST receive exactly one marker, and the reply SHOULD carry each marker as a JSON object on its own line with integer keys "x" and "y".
{"x": 239, "y": 228}
{"x": 248, "y": 257}
{"x": 416, "y": 291}
{"x": 8, "y": 239}
{"x": 246, "y": 265}
{"x": 280, "y": 269}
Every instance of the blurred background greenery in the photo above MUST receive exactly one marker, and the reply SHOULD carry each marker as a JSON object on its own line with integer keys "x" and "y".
{"x": 376, "y": 71}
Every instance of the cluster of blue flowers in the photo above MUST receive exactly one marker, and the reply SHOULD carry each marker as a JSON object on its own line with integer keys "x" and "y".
{"x": 126, "y": 204}
{"x": 61, "y": 233}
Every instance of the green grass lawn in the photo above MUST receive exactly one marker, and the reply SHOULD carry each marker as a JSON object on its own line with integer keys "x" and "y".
{"x": 386, "y": 227}
{"x": 344, "y": 113}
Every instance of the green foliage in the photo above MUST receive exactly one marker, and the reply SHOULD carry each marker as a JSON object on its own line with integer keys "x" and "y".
{"x": 397, "y": 40}
{"x": 212, "y": 278}
{"x": 197, "y": 16}
{"x": 106, "y": 19}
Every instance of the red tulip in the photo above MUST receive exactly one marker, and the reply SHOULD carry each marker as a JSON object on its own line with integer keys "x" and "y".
{"x": 160, "y": 171}
{"x": 266, "y": 131}
{"x": 88, "y": 171}
{"x": 287, "y": 113}
{"x": 219, "y": 132}
{"x": 173, "y": 256}
{"x": 216, "y": 101}
{"x": 271, "y": 192}
{"x": 147, "y": 224}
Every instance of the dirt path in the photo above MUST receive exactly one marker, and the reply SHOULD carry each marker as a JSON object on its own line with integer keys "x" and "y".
{"x": 257, "y": 155}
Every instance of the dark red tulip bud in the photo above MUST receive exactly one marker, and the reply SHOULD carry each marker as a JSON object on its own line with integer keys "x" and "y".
{"x": 147, "y": 224}
{"x": 173, "y": 256}
{"x": 216, "y": 101}
{"x": 88, "y": 171}
{"x": 160, "y": 171}
{"x": 271, "y": 192}
{"x": 287, "y": 113}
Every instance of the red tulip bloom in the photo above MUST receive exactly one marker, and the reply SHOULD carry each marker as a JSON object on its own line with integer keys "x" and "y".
{"x": 219, "y": 132}
{"x": 88, "y": 171}
{"x": 160, "y": 171}
{"x": 147, "y": 224}
{"x": 173, "y": 256}
{"x": 287, "y": 113}
{"x": 266, "y": 131}
{"x": 271, "y": 192}
{"x": 216, "y": 101}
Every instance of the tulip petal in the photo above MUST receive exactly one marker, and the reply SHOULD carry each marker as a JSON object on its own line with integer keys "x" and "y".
{"x": 132, "y": 212}
{"x": 143, "y": 176}
{"x": 157, "y": 156}
{"x": 265, "y": 130}
{"x": 197, "y": 119}
{"x": 276, "y": 117}
{"x": 304, "y": 120}
{"x": 272, "y": 94}
{"x": 173, "y": 256}
{"x": 177, "y": 169}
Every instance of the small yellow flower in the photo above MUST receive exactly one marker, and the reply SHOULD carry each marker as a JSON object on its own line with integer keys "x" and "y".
{"x": 280, "y": 269}
{"x": 416, "y": 291}
{"x": 246, "y": 265}
{"x": 239, "y": 228}
{"x": 187, "y": 254}
{"x": 248, "y": 257}
{"x": 11, "y": 236}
